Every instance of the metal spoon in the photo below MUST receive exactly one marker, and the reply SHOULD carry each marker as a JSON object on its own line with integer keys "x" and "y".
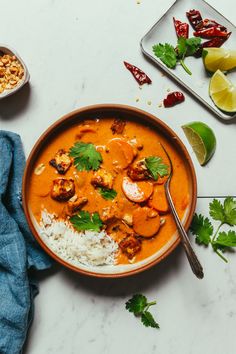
{"x": 192, "y": 258}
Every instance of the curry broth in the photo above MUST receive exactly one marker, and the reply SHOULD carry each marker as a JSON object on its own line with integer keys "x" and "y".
{"x": 39, "y": 189}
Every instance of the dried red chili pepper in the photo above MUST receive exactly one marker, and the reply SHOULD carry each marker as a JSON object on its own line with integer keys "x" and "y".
{"x": 212, "y": 43}
{"x": 194, "y": 18}
{"x": 173, "y": 98}
{"x": 181, "y": 28}
{"x": 210, "y": 32}
{"x": 138, "y": 74}
{"x": 215, "y": 42}
{"x": 210, "y": 23}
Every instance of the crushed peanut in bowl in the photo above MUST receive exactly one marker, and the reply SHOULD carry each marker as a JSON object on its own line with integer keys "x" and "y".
{"x": 11, "y": 72}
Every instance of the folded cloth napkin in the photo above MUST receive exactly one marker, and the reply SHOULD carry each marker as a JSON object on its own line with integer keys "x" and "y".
{"x": 18, "y": 250}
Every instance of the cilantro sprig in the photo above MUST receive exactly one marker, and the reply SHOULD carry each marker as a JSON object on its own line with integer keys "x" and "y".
{"x": 86, "y": 157}
{"x": 84, "y": 221}
{"x": 156, "y": 167}
{"x": 225, "y": 213}
{"x": 203, "y": 229}
{"x": 139, "y": 306}
{"x": 108, "y": 194}
{"x": 171, "y": 55}
{"x": 166, "y": 52}
{"x": 187, "y": 47}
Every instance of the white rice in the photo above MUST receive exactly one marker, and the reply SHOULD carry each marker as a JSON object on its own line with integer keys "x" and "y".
{"x": 89, "y": 247}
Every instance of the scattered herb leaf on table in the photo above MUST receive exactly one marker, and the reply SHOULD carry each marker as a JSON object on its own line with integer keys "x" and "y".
{"x": 139, "y": 306}
{"x": 203, "y": 229}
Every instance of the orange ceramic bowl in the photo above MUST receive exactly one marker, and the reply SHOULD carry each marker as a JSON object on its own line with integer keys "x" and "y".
{"x": 129, "y": 113}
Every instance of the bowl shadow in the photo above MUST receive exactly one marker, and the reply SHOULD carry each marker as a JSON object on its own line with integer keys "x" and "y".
{"x": 13, "y": 105}
{"x": 116, "y": 287}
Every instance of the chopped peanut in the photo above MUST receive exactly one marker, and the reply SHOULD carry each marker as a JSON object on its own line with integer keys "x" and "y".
{"x": 11, "y": 71}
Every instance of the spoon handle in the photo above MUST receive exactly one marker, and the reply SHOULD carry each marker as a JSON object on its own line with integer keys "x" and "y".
{"x": 192, "y": 258}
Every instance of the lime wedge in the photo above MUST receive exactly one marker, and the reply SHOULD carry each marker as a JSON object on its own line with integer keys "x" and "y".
{"x": 202, "y": 139}
{"x": 223, "y": 92}
{"x": 219, "y": 59}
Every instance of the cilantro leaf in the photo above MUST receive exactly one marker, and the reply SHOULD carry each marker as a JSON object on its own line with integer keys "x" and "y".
{"x": 217, "y": 210}
{"x": 156, "y": 167}
{"x": 170, "y": 55}
{"x": 108, "y": 194}
{"x": 181, "y": 47}
{"x": 139, "y": 306}
{"x": 187, "y": 46}
{"x": 202, "y": 228}
{"x": 226, "y": 239}
{"x": 148, "y": 320}
{"x": 230, "y": 211}
{"x": 193, "y": 45}
{"x": 226, "y": 213}
{"x": 86, "y": 157}
{"x": 166, "y": 53}
{"x": 84, "y": 221}
{"x": 136, "y": 304}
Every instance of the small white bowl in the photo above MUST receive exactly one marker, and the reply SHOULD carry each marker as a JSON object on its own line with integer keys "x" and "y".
{"x": 7, "y": 50}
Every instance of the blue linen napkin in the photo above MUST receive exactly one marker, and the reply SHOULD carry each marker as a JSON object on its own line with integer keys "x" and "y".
{"x": 19, "y": 252}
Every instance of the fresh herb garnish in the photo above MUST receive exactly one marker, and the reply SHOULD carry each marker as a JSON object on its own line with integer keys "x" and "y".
{"x": 139, "y": 306}
{"x": 86, "y": 157}
{"x": 106, "y": 193}
{"x": 187, "y": 47}
{"x": 170, "y": 56}
{"x": 225, "y": 240}
{"x": 166, "y": 52}
{"x": 84, "y": 221}
{"x": 156, "y": 167}
{"x": 225, "y": 213}
{"x": 202, "y": 228}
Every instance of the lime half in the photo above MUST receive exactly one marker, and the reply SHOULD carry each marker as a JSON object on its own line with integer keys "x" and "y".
{"x": 202, "y": 139}
{"x": 223, "y": 92}
{"x": 219, "y": 58}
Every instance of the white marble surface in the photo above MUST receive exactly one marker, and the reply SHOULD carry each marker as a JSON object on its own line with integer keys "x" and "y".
{"x": 74, "y": 50}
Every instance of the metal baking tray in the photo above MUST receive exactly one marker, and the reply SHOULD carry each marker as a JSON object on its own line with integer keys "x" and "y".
{"x": 163, "y": 31}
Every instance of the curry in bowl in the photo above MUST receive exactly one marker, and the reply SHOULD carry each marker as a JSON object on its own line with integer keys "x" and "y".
{"x": 96, "y": 194}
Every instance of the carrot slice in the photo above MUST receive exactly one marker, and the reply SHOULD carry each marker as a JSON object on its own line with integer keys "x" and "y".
{"x": 158, "y": 200}
{"x": 122, "y": 151}
{"x": 137, "y": 192}
{"x": 146, "y": 221}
